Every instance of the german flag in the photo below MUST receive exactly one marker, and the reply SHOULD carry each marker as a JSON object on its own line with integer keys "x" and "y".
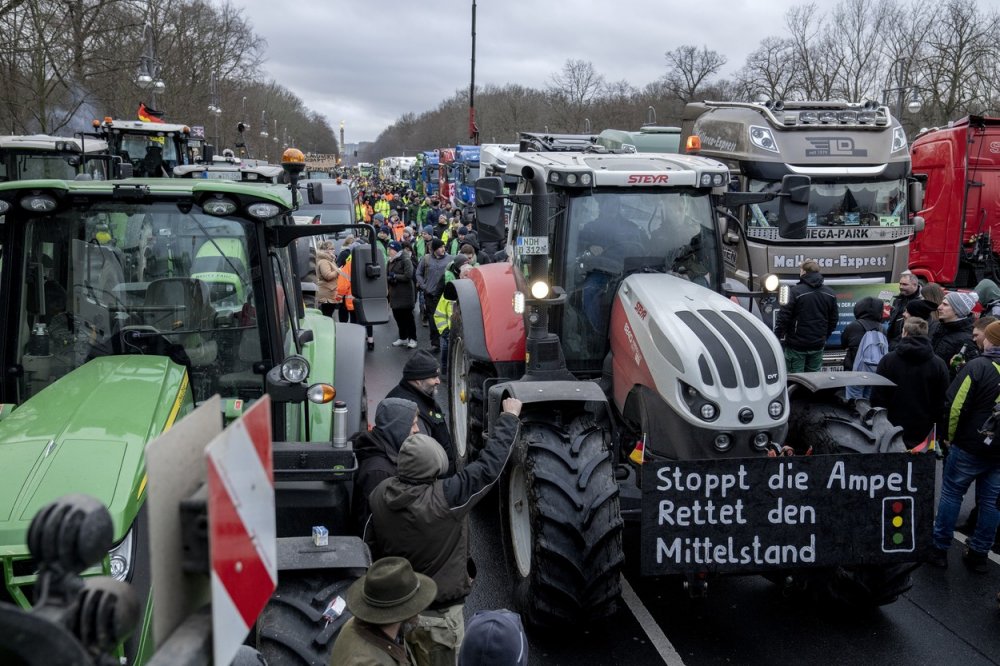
{"x": 148, "y": 115}
{"x": 929, "y": 445}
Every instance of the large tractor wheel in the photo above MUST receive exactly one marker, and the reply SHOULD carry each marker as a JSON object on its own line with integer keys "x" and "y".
{"x": 466, "y": 395}
{"x": 291, "y": 631}
{"x": 562, "y": 522}
{"x": 828, "y": 425}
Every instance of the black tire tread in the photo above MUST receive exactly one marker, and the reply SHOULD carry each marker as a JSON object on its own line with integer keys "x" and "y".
{"x": 577, "y": 551}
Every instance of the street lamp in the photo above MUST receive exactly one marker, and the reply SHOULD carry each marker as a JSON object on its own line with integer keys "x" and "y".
{"x": 148, "y": 75}
{"x": 902, "y": 73}
{"x": 213, "y": 108}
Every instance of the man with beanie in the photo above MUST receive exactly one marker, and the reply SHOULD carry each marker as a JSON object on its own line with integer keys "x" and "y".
{"x": 909, "y": 291}
{"x": 430, "y": 280}
{"x": 494, "y": 638}
{"x": 385, "y": 602}
{"x": 421, "y": 377}
{"x": 921, "y": 380}
{"x": 807, "y": 320}
{"x": 954, "y": 331}
{"x": 376, "y": 451}
{"x": 974, "y": 455}
{"x": 425, "y": 519}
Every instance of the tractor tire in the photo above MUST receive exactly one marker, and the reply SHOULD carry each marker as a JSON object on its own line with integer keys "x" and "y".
{"x": 466, "y": 395}
{"x": 291, "y": 629}
{"x": 562, "y": 522}
{"x": 829, "y": 426}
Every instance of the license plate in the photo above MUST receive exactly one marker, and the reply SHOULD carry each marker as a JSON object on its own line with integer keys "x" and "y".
{"x": 832, "y": 368}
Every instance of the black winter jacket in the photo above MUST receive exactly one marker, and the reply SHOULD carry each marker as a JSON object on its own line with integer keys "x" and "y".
{"x": 427, "y": 522}
{"x": 949, "y": 337}
{"x": 895, "y": 327}
{"x": 970, "y": 400}
{"x": 432, "y": 420}
{"x": 402, "y": 292}
{"x": 921, "y": 379}
{"x": 809, "y": 317}
{"x": 867, "y": 317}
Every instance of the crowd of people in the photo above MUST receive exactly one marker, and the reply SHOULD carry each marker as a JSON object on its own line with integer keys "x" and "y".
{"x": 425, "y": 242}
{"x": 944, "y": 362}
{"x": 411, "y": 501}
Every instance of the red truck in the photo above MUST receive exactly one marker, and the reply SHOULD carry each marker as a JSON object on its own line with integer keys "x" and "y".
{"x": 960, "y": 243}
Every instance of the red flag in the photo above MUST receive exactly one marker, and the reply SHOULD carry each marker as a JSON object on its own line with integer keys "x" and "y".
{"x": 148, "y": 115}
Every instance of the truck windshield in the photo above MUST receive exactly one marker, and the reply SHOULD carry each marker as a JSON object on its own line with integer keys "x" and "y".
{"x": 613, "y": 233}
{"x": 875, "y": 203}
{"x": 121, "y": 279}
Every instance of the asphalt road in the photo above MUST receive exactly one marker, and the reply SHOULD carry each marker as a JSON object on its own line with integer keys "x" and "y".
{"x": 948, "y": 617}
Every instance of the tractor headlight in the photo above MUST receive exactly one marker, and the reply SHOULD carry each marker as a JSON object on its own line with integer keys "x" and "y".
{"x": 219, "y": 205}
{"x": 263, "y": 211}
{"x": 39, "y": 203}
{"x": 540, "y": 289}
{"x": 761, "y": 440}
{"x": 723, "y": 442}
{"x": 294, "y": 369}
{"x": 4, "y": 206}
{"x": 700, "y": 406}
{"x": 776, "y": 408}
{"x": 771, "y": 282}
{"x": 120, "y": 558}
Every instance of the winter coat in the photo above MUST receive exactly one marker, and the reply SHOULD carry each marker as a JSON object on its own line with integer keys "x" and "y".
{"x": 949, "y": 337}
{"x": 363, "y": 644}
{"x": 426, "y": 520}
{"x": 894, "y": 328}
{"x": 809, "y": 317}
{"x": 430, "y": 273}
{"x": 970, "y": 401}
{"x": 326, "y": 278}
{"x": 400, "y": 278}
{"x": 921, "y": 380}
{"x": 867, "y": 317}
{"x": 432, "y": 420}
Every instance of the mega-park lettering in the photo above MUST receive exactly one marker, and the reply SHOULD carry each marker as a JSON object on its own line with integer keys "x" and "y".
{"x": 647, "y": 179}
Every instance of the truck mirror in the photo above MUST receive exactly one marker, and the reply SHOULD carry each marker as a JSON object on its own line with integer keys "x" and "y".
{"x": 914, "y": 196}
{"x": 368, "y": 286}
{"x": 489, "y": 209}
{"x": 208, "y": 153}
{"x": 488, "y": 190}
{"x": 918, "y": 223}
{"x": 793, "y": 207}
{"x": 314, "y": 192}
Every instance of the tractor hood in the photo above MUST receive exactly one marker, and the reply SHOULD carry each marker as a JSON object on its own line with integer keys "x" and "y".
{"x": 86, "y": 433}
{"x": 674, "y": 336}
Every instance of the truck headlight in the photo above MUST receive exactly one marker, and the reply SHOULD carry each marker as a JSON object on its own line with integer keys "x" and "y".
{"x": 120, "y": 558}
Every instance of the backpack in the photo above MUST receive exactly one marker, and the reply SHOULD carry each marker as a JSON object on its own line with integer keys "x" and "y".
{"x": 872, "y": 348}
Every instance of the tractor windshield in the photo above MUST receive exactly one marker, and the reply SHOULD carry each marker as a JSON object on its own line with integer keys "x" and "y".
{"x": 119, "y": 278}
{"x": 613, "y": 233}
{"x": 29, "y": 165}
{"x": 151, "y": 156}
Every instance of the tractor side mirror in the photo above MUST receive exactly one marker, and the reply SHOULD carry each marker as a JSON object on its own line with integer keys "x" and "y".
{"x": 368, "y": 286}
{"x": 314, "y": 192}
{"x": 489, "y": 209}
{"x": 793, "y": 207}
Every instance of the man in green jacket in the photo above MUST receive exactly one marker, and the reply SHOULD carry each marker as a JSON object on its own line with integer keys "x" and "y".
{"x": 383, "y": 601}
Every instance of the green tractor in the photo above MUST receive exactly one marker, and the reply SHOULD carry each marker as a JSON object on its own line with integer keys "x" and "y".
{"x": 127, "y": 304}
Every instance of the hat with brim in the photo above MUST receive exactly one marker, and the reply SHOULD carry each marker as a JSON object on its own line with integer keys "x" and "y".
{"x": 390, "y": 592}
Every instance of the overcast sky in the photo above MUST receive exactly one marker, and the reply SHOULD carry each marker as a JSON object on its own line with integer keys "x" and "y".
{"x": 366, "y": 62}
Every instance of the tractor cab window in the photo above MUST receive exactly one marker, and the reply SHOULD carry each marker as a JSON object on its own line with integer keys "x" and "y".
{"x": 119, "y": 279}
{"x": 614, "y": 233}
{"x": 151, "y": 156}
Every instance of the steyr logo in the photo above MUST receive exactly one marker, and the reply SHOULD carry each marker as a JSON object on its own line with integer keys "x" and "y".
{"x": 834, "y": 146}
{"x": 641, "y": 179}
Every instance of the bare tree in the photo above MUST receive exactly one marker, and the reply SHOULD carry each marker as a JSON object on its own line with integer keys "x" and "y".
{"x": 770, "y": 71}
{"x": 572, "y": 90}
{"x": 688, "y": 69}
